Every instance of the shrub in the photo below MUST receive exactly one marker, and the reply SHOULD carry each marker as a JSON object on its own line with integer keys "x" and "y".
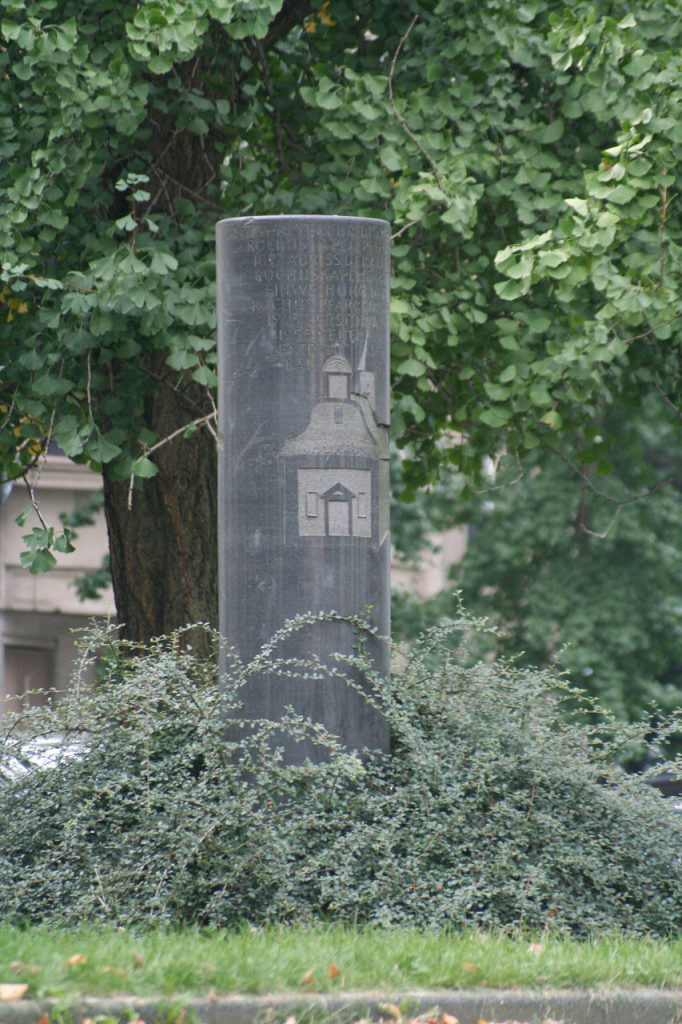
{"x": 500, "y": 804}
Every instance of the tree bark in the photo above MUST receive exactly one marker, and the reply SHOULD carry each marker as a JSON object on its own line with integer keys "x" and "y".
{"x": 163, "y": 548}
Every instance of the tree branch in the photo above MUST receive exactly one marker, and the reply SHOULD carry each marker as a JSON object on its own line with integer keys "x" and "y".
{"x": 669, "y": 401}
{"x": 661, "y": 227}
{"x": 293, "y": 12}
{"x": 271, "y": 93}
{"x": 203, "y": 421}
{"x": 620, "y": 503}
{"x": 652, "y": 330}
{"x": 405, "y": 228}
{"x": 401, "y": 119}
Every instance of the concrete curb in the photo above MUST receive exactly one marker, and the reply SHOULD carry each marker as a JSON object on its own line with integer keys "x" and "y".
{"x": 570, "y": 1006}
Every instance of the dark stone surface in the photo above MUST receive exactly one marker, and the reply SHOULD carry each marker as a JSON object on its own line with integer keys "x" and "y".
{"x": 303, "y": 349}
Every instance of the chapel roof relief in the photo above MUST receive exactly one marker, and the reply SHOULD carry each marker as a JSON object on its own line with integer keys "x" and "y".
{"x": 340, "y": 422}
{"x": 337, "y": 364}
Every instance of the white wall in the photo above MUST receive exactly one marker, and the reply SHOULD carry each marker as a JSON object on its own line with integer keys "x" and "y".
{"x": 38, "y": 612}
{"x": 430, "y": 575}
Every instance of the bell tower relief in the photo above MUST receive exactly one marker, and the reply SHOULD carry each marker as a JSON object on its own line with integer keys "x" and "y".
{"x": 335, "y": 460}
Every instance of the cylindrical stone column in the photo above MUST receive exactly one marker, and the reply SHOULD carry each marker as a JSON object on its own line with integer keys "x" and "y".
{"x": 303, "y": 517}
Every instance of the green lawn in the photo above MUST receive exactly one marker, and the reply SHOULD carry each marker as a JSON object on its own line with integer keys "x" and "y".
{"x": 99, "y": 962}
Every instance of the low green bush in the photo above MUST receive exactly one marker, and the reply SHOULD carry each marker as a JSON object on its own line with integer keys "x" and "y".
{"x": 501, "y": 803}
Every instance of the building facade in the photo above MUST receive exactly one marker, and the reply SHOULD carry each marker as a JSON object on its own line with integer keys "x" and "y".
{"x": 39, "y": 613}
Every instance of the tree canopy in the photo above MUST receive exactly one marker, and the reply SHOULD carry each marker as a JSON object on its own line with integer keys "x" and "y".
{"x": 579, "y": 571}
{"x": 524, "y": 154}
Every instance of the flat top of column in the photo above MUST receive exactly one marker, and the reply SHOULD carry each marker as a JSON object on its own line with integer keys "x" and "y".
{"x": 323, "y": 218}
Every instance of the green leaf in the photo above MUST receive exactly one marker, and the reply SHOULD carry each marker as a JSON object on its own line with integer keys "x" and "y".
{"x": 399, "y": 305}
{"x": 539, "y": 395}
{"x": 38, "y": 561}
{"x": 496, "y": 392}
{"x": 391, "y": 158}
{"x": 20, "y": 520}
{"x": 48, "y": 385}
{"x": 63, "y": 542}
{"x": 163, "y": 262}
{"x": 127, "y": 223}
{"x": 621, "y": 194}
{"x": 510, "y": 290}
{"x": 10, "y": 30}
{"x": 520, "y": 269}
{"x": 579, "y": 205}
{"x": 409, "y": 404}
{"x": 628, "y": 21}
{"x": 535, "y": 242}
{"x": 552, "y": 258}
{"x": 552, "y": 419}
{"x": 102, "y": 450}
{"x": 412, "y": 367}
{"x": 205, "y": 376}
{"x": 145, "y": 468}
{"x": 552, "y": 133}
{"x": 198, "y": 126}
{"x": 497, "y": 416}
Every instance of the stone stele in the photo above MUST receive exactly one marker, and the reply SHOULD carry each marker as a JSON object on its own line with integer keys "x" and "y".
{"x": 303, "y": 517}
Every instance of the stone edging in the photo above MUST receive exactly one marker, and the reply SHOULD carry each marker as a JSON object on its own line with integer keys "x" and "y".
{"x": 570, "y": 1006}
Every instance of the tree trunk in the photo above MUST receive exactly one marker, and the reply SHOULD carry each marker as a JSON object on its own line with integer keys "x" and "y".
{"x": 163, "y": 548}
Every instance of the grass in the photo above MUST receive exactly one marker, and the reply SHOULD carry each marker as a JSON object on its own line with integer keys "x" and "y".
{"x": 165, "y": 963}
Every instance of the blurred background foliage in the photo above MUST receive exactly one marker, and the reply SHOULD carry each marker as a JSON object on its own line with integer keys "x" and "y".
{"x": 575, "y": 566}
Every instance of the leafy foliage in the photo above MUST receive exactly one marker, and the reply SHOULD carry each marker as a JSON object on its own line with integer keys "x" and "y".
{"x": 493, "y": 808}
{"x": 572, "y": 563}
{"x": 524, "y": 154}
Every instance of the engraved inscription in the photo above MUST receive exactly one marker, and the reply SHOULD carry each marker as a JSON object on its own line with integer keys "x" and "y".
{"x": 311, "y": 291}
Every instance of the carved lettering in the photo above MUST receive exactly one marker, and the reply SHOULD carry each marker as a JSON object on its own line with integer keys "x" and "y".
{"x": 309, "y": 294}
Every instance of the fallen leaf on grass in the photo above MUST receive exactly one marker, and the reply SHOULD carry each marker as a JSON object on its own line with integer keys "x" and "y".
{"x": 138, "y": 959}
{"x": 307, "y": 979}
{"x": 333, "y": 972}
{"x": 118, "y": 972}
{"x": 76, "y": 959}
{"x": 19, "y": 967}
{"x": 392, "y": 1010}
{"x": 466, "y": 966}
{"x": 45, "y": 1019}
{"x": 536, "y": 947}
{"x": 10, "y": 992}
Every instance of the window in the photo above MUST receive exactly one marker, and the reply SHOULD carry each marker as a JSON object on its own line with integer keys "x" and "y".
{"x": 26, "y": 669}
